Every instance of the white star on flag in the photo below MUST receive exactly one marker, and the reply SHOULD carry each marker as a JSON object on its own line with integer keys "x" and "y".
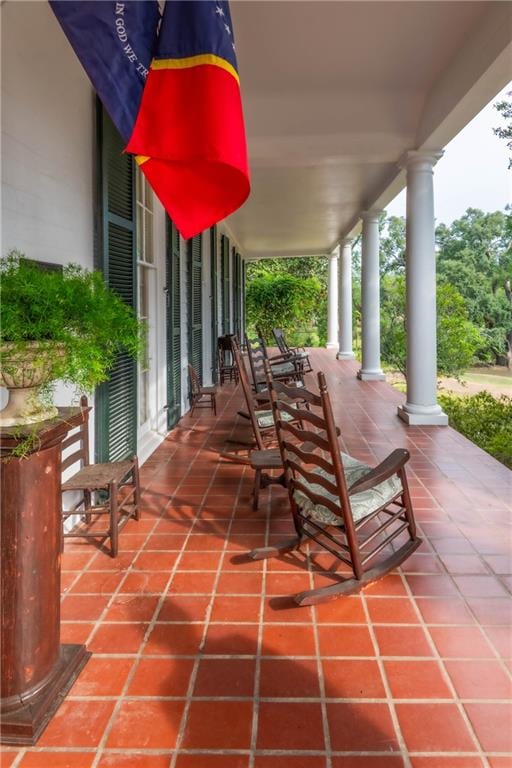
{"x": 228, "y": 30}
{"x": 219, "y": 11}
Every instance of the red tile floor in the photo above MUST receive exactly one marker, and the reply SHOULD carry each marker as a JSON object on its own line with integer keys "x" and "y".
{"x": 200, "y": 661}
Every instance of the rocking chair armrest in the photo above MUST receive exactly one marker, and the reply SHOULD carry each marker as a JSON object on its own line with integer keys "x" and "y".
{"x": 261, "y": 397}
{"x": 386, "y": 469}
{"x": 281, "y": 356}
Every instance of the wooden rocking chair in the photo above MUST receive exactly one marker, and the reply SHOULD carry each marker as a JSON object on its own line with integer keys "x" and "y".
{"x": 201, "y": 397}
{"x": 225, "y": 359}
{"x": 260, "y": 456}
{"x": 353, "y": 511}
{"x": 299, "y": 354}
{"x": 282, "y": 366}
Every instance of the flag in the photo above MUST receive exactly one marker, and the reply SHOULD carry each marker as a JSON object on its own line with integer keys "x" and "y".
{"x": 190, "y": 127}
{"x": 114, "y": 43}
{"x": 174, "y": 96}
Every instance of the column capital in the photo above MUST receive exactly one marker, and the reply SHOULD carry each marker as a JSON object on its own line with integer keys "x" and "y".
{"x": 335, "y": 253}
{"x": 423, "y": 159}
{"x": 372, "y": 214}
{"x": 346, "y": 241}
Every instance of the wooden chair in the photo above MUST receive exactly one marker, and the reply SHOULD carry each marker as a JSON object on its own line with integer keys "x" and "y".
{"x": 226, "y": 361}
{"x": 118, "y": 480}
{"x": 283, "y": 368}
{"x": 298, "y": 353}
{"x": 198, "y": 392}
{"x": 260, "y": 456}
{"x": 350, "y": 509}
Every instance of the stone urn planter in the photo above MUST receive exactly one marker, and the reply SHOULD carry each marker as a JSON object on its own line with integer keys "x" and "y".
{"x": 23, "y": 371}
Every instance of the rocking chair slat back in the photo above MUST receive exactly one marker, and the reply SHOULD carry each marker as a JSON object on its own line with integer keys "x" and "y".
{"x": 249, "y": 401}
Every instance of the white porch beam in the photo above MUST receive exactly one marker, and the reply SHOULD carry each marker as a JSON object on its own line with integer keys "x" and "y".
{"x": 332, "y": 300}
{"x": 345, "y": 302}
{"x": 421, "y": 406}
{"x": 370, "y": 295}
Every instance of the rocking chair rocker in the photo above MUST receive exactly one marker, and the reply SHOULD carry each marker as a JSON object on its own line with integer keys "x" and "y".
{"x": 353, "y": 511}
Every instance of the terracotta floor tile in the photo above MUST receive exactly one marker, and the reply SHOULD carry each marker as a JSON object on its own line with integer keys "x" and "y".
{"x": 290, "y": 726}
{"x": 134, "y": 760}
{"x": 493, "y": 610}
{"x": 77, "y": 724}
{"x": 391, "y": 610}
{"x": 444, "y": 610}
{"x": 236, "y": 609}
{"x": 479, "y": 679}
{"x": 346, "y": 610}
{"x": 183, "y": 608}
{"x": 480, "y": 586}
{"x": 143, "y": 724}
{"x": 155, "y": 561}
{"x": 352, "y": 679}
{"x": 501, "y": 639}
{"x": 446, "y": 762}
{"x": 416, "y": 680}
{"x": 174, "y": 639}
{"x": 161, "y": 677}
{"x": 229, "y": 639}
{"x": 145, "y": 581}
{"x": 288, "y": 761}
{"x": 71, "y": 632}
{"x": 131, "y": 607}
{"x": 76, "y": 561}
{"x": 7, "y": 758}
{"x": 366, "y": 761}
{"x": 345, "y": 641}
{"x": 239, "y": 583}
{"x": 83, "y": 607}
{"x": 117, "y": 638}
{"x": 431, "y": 585}
{"x": 283, "y": 610}
{"x": 286, "y": 583}
{"x": 192, "y": 583}
{"x": 402, "y": 641}
{"x": 390, "y": 586}
{"x": 218, "y": 725}
{"x": 354, "y": 727}
{"x": 433, "y": 728}
{"x": 464, "y": 564}
{"x": 120, "y": 564}
{"x": 286, "y": 640}
{"x": 212, "y": 761}
{"x": 199, "y": 561}
{"x": 102, "y": 677}
{"x": 102, "y": 582}
{"x": 421, "y": 563}
{"x": 225, "y": 677}
{"x": 165, "y": 542}
{"x": 461, "y": 642}
{"x": 492, "y": 724}
{"x": 289, "y": 678}
{"x": 54, "y": 759}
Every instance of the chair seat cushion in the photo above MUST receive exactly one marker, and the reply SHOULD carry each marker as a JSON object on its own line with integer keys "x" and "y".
{"x": 362, "y": 504}
{"x": 266, "y": 418}
{"x": 208, "y": 390}
{"x": 283, "y": 368}
{"x": 97, "y": 476}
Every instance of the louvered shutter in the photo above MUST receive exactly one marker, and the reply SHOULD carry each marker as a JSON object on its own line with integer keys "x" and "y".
{"x": 225, "y": 275}
{"x": 173, "y": 335}
{"x": 116, "y": 399}
{"x": 195, "y": 314}
{"x": 237, "y": 291}
{"x": 213, "y": 298}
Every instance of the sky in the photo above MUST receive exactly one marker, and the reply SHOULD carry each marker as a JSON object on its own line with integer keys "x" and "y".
{"x": 473, "y": 171}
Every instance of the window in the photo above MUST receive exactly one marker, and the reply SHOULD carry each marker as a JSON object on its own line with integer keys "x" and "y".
{"x": 145, "y": 270}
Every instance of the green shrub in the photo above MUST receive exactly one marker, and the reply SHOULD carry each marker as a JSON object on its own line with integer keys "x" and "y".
{"x": 281, "y": 301}
{"x": 484, "y": 419}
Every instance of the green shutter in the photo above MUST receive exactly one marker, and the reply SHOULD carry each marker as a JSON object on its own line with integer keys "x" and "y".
{"x": 195, "y": 311}
{"x": 173, "y": 322}
{"x": 225, "y": 276}
{"x": 116, "y": 399}
{"x": 213, "y": 298}
{"x": 237, "y": 292}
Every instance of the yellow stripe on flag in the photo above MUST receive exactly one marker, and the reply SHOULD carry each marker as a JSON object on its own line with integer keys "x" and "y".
{"x": 196, "y": 61}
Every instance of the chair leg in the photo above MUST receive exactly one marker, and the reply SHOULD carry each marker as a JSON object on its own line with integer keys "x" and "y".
{"x": 257, "y": 487}
{"x": 114, "y": 529}
{"x": 136, "y": 482}
{"x": 214, "y": 402}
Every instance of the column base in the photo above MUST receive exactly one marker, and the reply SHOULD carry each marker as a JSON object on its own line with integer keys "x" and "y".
{"x": 345, "y": 356}
{"x": 376, "y": 375}
{"x": 331, "y": 345}
{"x": 415, "y": 415}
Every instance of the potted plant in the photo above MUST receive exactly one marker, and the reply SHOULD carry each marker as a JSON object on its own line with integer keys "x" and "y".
{"x": 63, "y": 324}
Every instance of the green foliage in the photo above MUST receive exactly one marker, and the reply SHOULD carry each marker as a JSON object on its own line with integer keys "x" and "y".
{"x": 276, "y": 300}
{"x": 484, "y": 419}
{"x": 504, "y": 107}
{"x": 457, "y": 338}
{"x": 74, "y": 308}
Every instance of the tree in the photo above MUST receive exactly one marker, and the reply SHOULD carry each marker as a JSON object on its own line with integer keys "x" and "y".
{"x": 276, "y": 300}
{"x": 457, "y": 338}
{"x": 504, "y": 107}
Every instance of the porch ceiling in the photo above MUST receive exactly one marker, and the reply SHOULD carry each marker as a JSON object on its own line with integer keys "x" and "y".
{"x": 335, "y": 92}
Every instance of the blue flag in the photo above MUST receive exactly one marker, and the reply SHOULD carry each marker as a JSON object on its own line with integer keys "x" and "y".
{"x": 115, "y": 43}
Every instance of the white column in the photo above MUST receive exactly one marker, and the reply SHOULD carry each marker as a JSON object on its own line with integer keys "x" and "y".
{"x": 332, "y": 301}
{"x": 345, "y": 302}
{"x": 421, "y": 405}
{"x": 370, "y": 298}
